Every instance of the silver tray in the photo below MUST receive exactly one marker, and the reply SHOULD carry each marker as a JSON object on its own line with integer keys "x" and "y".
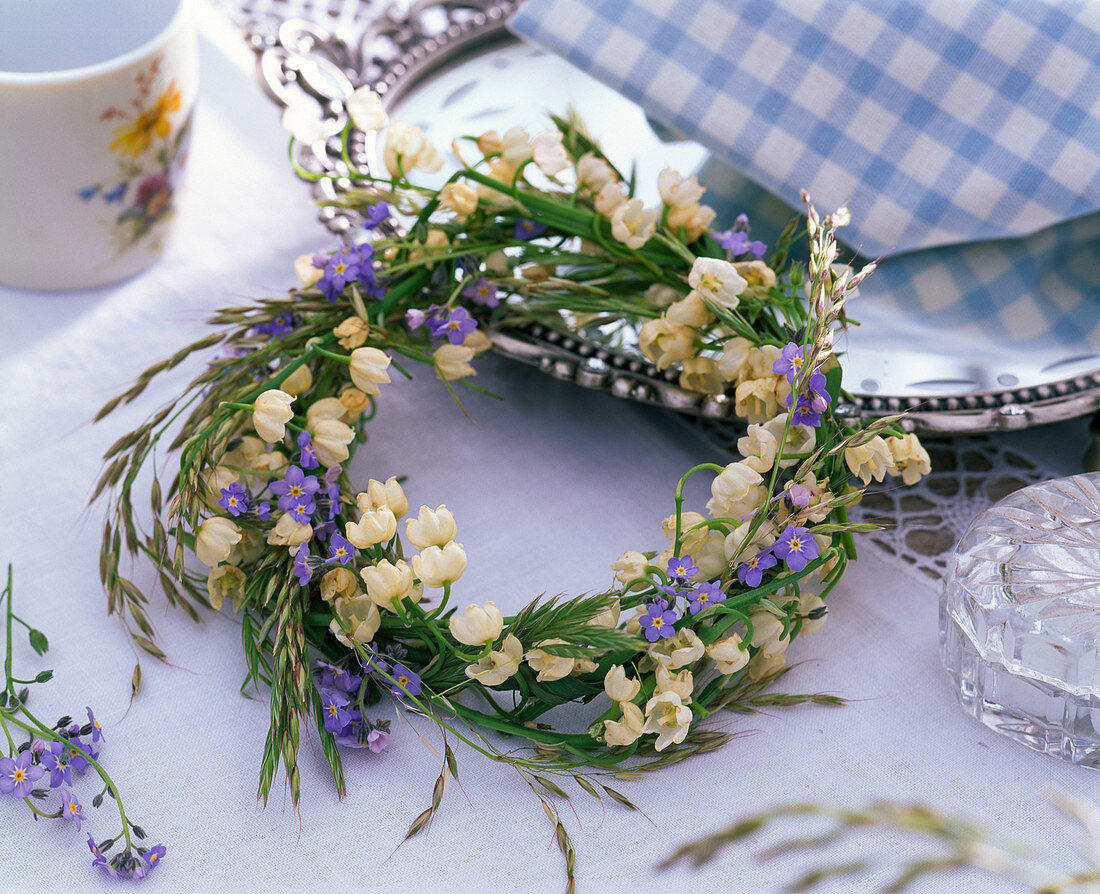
{"x": 452, "y": 67}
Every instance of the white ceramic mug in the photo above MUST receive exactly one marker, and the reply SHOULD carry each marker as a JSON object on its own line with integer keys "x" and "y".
{"x": 95, "y": 119}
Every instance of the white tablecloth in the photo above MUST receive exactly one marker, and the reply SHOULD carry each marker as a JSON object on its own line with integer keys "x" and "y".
{"x": 548, "y": 488}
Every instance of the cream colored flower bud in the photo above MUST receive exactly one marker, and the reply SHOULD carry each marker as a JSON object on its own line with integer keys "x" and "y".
{"x": 330, "y": 441}
{"x": 767, "y": 632}
{"x": 669, "y": 717}
{"x": 215, "y": 540}
{"x": 677, "y": 651}
{"x": 431, "y": 527}
{"x": 536, "y": 272}
{"x": 633, "y": 224}
{"x": 583, "y": 666}
{"x": 729, "y": 655}
{"x": 453, "y": 361}
{"x": 660, "y": 295}
{"x": 368, "y": 369}
{"x": 515, "y": 146}
{"x": 910, "y": 458}
{"x": 690, "y": 311}
{"x": 408, "y": 148}
{"x": 360, "y": 617}
{"x": 688, "y": 520}
{"x": 666, "y": 343}
{"x": 225, "y": 582}
{"x": 436, "y": 566}
{"x": 365, "y": 108}
{"x": 762, "y": 665}
{"x": 298, "y": 382}
{"x": 305, "y": 271}
{"x": 270, "y": 414}
{"x": 550, "y": 667}
{"x": 609, "y": 198}
{"x": 339, "y": 582}
{"x": 700, "y": 374}
{"x": 374, "y": 527}
{"x": 694, "y": 221}
{"x": 477, "y": 341}
{"x": 489, "y": 143}
{"x": 387, "y": 583}
{"x": 388, "y": 494}
{"x": 497, "y": 263}
{"x": 811, "y": 604}
{"x": 325, "y": 408}
{"x": 594, "y": 172}
{"x": 609, "y": 617}
{"x": 737, "y": 491}
{"x": 477, "y": 624}
{"x": 734, "y": 358}
{"x": 214, "y": 480}
{"x": 629, "y": 566}
{"x": 549, "y": 153}
{"x": 758, "y": 400}
{"x": 618, "y": 686}
{"x": 497, "y": 666}
{"x": 355, "y": 403}
{"x": 682, "y": 683}
{"x": 756, "y": 273}
{"x": 287, "y": 532}
{"x": 626, "y": 731}
{"x": 870, "y": 460}
{"x": 461, "y": 198}
{"x": 677, "y": 192}
{"x": 502, "y": 172}
{"x": 351, "y": 333}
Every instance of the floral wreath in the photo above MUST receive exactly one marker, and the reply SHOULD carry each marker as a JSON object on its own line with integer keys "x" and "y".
{"x": 338, "y": 609}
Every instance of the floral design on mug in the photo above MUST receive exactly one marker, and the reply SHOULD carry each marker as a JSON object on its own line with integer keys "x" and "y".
{"x": 152, "y": 150}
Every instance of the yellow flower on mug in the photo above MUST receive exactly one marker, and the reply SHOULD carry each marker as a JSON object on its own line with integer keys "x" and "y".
{"x": 135, "y": 137}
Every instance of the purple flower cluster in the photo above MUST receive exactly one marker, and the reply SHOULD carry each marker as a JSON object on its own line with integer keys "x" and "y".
{"x": 527, "y": 229}
{"x": 813, "y": 396}
{"x": 796, "y": 547}
{"x": 482, "y": 291}
{"x": 342, "y": 717}
{"x": 452, "y": 325}
{"x": 127, "y": 864}
{"x": 276, "y": 328}
{"x": 736, "y": 239}
{"x": 353, "y": 264}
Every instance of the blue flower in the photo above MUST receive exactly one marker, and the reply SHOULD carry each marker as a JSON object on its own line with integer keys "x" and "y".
{"x": 527, "y": 229}
{"x": 234, "y": 498}
{"x": 88, "y": 192}
{"x": 375, "y": 215}
{"x": 342, "y": 551}
{"x": 116, "y": 194}
{"x": 681, "y": 568}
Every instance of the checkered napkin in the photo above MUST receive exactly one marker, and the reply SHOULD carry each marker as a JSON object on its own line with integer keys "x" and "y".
{"x": 942, "y": 124}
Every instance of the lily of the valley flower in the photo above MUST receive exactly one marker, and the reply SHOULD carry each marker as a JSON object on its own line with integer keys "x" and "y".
{"x": 498, "y": 665}
{"x": 368, "y": 369}
{"x": 625, "y": 731}
{"x": 477, "y": 625}
{"x": 387, "y": 582}
{"x": 374, "y": 526}
{"x": 669, "y": 717}
{"x": 431, "y": 527}
{"x": 437, "y": 566}
{"x": 215, "y": 540}
{"x": 550, "y": 667}
{"x": 270, "y": 414}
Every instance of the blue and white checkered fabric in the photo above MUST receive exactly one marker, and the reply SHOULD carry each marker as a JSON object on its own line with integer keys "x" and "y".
{"x": 937, "y": 122}
{"x": 942, "y": 124}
